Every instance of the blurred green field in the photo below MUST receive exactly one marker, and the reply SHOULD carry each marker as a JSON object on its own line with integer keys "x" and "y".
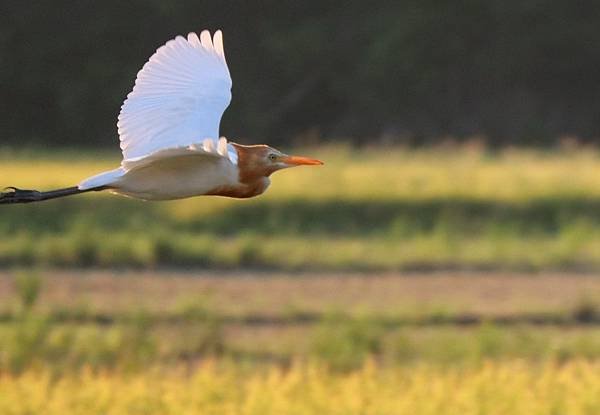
{"x": 159, "y": 343}
{"x": 156, "y": 342}
{"x": 395, "y": 280}
{"x": 72, "y": 320}
{"x": 374, "y": 209}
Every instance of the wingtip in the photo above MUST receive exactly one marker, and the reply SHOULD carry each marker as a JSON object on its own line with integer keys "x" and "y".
{"x": 206, "y": 39}
{"x": 214, "y": 42}
{"x": 193, "y": 38}
{"x": 218, "y": 44}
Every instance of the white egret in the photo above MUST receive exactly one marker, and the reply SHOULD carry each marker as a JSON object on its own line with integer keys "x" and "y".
{"x": 169, "y": 133}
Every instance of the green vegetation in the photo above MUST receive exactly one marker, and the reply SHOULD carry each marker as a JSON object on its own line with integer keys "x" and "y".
{"x": 367, "y": 210}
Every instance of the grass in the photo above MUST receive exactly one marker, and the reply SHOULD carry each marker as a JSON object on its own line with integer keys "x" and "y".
{"x": 513, "y": 387}
{"x": 389, "y": 209}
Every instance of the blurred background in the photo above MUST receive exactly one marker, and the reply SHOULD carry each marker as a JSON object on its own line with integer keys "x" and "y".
{"x": 451, "y": 238}
{"x": 409, "y": 71}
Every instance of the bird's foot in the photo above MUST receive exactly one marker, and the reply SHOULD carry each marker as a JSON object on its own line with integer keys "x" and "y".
{"x": 15, "y": 195}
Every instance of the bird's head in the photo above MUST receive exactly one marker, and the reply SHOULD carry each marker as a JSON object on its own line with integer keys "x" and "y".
{"x": 262, "y": 160}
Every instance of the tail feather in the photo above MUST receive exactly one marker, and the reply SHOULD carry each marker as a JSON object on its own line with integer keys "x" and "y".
{"x": 15, "y": 195}
{"x": 103, "y": 179}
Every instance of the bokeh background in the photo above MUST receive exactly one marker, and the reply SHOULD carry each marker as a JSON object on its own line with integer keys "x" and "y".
{"x": 444, "y": 260}
{"x": 411, "y": 71}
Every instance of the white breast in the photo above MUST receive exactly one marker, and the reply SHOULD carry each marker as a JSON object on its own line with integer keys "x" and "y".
{"x": 177, "y": 177}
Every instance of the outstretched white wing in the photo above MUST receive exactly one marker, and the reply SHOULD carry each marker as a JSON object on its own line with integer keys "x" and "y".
{"x": 178, "y": 100}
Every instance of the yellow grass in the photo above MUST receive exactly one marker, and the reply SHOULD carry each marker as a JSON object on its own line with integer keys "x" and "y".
{"x": 509, "y": 388}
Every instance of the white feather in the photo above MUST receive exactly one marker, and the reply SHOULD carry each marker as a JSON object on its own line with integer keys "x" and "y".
{"x": 218, "y": 42}
{"x": 102, "y": 179}
{"x": 206, "y": 40}
{"x": 178, "y": 99}
{"x": 208, "y": 145}
{"x": 222, "y": 147}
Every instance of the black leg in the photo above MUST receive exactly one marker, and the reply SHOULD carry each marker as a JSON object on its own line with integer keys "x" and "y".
{"x": 16, "y": 195}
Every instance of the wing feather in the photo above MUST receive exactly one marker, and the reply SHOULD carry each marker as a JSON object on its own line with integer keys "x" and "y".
{"x": 178, "y": 100}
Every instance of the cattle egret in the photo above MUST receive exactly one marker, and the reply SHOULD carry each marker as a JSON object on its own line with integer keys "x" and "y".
{"x": 169, "y": 133}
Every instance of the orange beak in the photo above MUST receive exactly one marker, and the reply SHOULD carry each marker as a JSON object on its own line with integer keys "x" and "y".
{"x": 300, "y": 161}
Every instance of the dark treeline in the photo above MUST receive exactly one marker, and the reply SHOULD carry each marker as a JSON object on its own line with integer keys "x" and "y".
{"x": 523, "y": 71}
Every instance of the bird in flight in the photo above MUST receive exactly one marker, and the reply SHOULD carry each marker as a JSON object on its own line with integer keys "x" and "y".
{"x": 169, "y": 133}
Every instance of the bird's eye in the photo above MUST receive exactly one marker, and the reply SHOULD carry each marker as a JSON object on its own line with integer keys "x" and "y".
{"x": 272, "y": 157}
